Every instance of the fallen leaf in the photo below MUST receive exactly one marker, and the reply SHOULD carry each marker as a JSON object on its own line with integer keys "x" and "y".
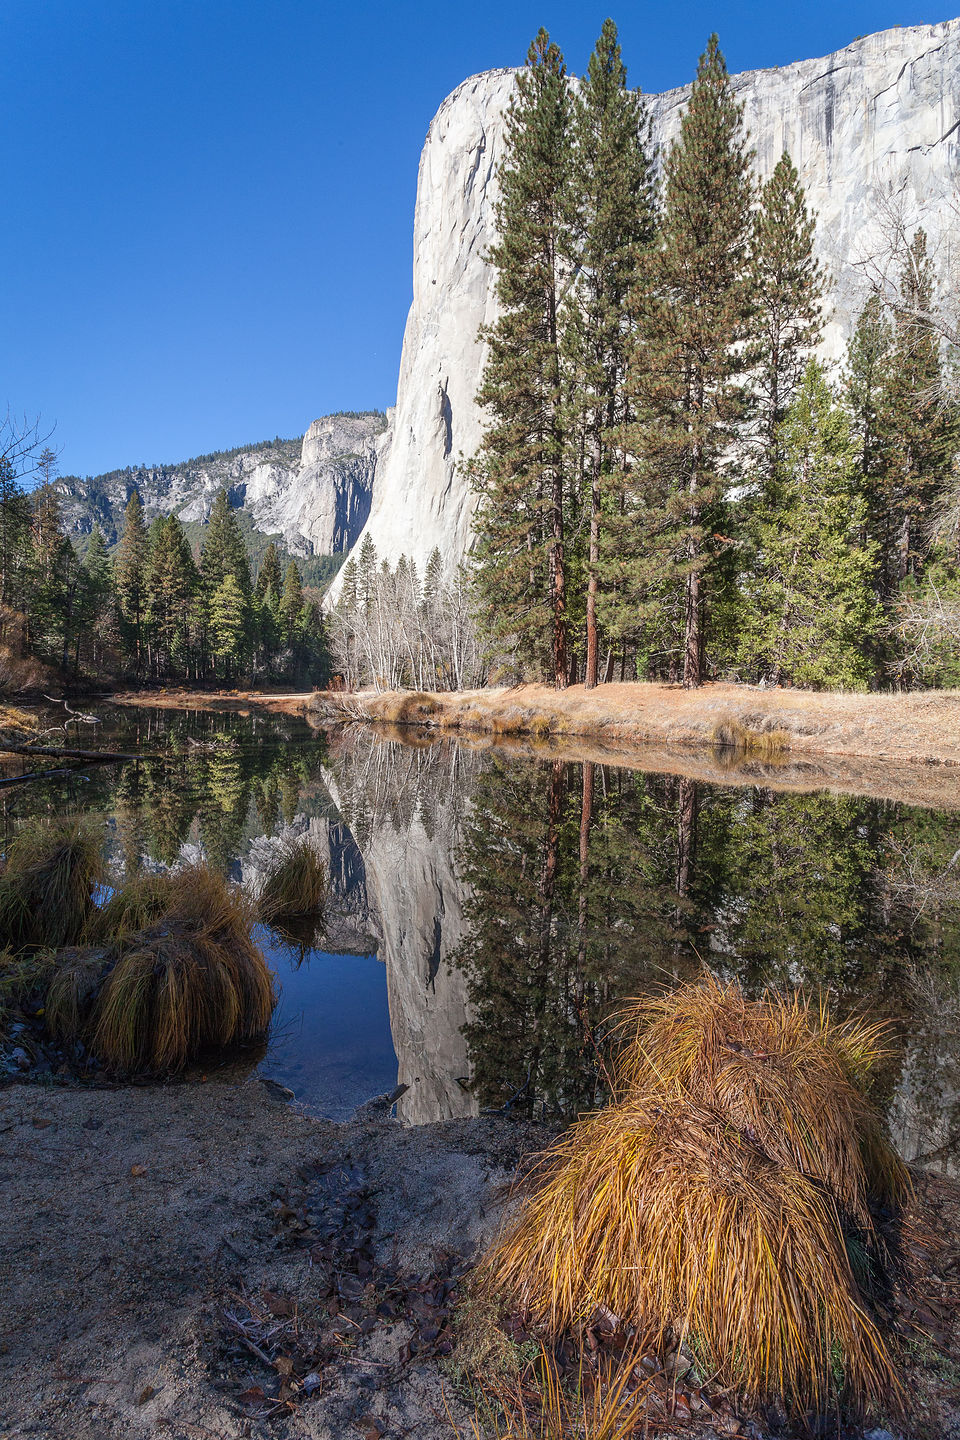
{"x": 278, "y": 1305}
{"x": 147, "y": 1393}
{"x": 138, "y": 1170}
{"x": 284, "y": 1364}
{"x": 40, "y": 1124}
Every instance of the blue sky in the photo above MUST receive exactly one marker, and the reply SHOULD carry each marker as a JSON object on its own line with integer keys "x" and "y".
{"x": 209, "y": 203}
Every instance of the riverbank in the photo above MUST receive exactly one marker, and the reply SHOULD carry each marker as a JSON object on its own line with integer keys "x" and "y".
{"x": 202, "y": 1260}
{"x": 916, "y": 728}
{"x": 921, "y": 727}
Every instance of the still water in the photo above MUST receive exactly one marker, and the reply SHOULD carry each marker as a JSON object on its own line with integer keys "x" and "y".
{"x": 487, "y": 912}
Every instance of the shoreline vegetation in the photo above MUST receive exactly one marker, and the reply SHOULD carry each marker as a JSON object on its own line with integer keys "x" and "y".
{"x": 919, "y": 727}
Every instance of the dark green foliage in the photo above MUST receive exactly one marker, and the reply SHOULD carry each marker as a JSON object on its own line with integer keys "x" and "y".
{"x": 635, "y": 495}
{"x": 787, "y": 287}
{"x": 150, "y": 611}
{"x": 519, "y": 472}
{"x": 919, "y": 433}
{"x": 612, "y": 220}
{"x": 808, "y": 615}
{"x": 130, "y": 568}
{"x": 269, "y": 576}
{"x": 693, "y": 308}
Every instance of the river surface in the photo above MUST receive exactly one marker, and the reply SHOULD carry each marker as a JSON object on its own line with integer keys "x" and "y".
{"x": 487, "y": 912}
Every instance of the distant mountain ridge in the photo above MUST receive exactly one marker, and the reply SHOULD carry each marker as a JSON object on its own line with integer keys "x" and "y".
{"x": 310, "y": 494}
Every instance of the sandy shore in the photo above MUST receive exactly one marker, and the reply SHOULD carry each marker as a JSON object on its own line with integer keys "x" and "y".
{"x": 202, "y": 1261}
{"x": 155, "y": 1239}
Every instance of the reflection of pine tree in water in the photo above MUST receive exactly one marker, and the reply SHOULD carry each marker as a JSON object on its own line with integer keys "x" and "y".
{"x": 574, "y": 906}
{"x": 590, "y": 884}
{"x": 266, "y": 797}
{"x": 792, "y": 884}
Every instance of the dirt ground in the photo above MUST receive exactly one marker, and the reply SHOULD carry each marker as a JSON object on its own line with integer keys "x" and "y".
{"x": 201, "y": 1261}
{"x": 136, "y": 1222}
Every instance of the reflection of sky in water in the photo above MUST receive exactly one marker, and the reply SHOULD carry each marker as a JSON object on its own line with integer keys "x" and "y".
{"x": 331, "y": 1041}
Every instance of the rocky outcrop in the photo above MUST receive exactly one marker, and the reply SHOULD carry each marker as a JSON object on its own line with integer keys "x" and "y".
{"x": 315, "y": 493}
{"x": 321, "y": 507}
{"x": 874, "y": 124}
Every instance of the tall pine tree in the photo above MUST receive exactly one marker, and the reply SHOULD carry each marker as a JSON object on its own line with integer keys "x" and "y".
{"x": 693, "y": 308}
{"x": 809, "y": 613}
{"x": 918, "y": 429}
{"x": 131, "y": 573}
{"x": 521, "y": 470}
{"x": 787, "y": 284}
{"x": 612, "y": 218}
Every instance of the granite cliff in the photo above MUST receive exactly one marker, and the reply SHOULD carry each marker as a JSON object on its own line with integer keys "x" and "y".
{"x": 875, "y": 124}
{"x": 313, "y": 493}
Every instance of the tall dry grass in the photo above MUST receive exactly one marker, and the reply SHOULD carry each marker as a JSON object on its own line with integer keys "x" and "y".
{"x": 294, "y": 884}
{"x": 178, "y": 972}
{"x": 722, "y": 1200}
{"x": 48, "y": 883}
{"x": 596, "y": 1411}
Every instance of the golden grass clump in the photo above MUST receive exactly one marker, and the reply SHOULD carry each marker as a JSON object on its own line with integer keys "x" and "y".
{"x": 294, "y": 884}
{"x": 722, "y": 1200}
{"x": 730, "y": 733}
{"x": 48, "y": 883}
{"x": 191, "y": 979}
{"x": 75, "y": 975}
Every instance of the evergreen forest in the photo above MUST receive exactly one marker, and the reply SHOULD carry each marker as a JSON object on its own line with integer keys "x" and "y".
{"x": 154, "y": 609}
{"x": 672, "y": 484}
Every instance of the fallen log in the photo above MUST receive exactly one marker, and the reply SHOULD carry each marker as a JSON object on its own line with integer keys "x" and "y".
{"x": 59, "y": 753}
{"x": 35, "y": 775}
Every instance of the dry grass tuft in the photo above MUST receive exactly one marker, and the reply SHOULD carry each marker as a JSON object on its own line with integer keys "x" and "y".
{"x": 47, "y": 886}
{"x": 729, "y": 733}
{"x": 75, "y": 977}
{"x": 294, "y": 886}
{"x": 187, "y": 974}
{"x": 541, "y": 1409}
{"x": 21, "y": 976}
{"x": 722, "y": 1200}
{"x": 781, "y": 1071}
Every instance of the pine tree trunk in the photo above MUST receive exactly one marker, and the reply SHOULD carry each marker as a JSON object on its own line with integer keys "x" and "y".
{"x": 590, "y": 675}
{"x": 558, "y": 586}
{"x": 692, "y": 638}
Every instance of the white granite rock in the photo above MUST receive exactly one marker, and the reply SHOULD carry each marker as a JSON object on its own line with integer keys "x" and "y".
{"x": 316, "y": 495}
{"x": 878, "y": 118}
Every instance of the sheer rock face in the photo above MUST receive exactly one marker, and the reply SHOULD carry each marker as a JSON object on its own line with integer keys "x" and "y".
{"x": 874, "y": 125}
{"x": 315, "y": 494}
{"x": 322, "y": 506}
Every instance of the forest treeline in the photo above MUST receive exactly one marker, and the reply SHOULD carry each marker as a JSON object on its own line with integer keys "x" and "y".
{"x": 153, "y": 609}
{"x": 671, "y": 485}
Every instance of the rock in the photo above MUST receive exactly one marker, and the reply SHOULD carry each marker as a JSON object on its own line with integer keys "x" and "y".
{"x": 881, "y": 115}
{"x": 315, "y": 493}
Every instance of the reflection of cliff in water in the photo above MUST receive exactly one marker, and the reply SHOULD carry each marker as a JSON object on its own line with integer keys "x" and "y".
{"x": 406, "y": 806}
{"x": 516, "y": 900}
